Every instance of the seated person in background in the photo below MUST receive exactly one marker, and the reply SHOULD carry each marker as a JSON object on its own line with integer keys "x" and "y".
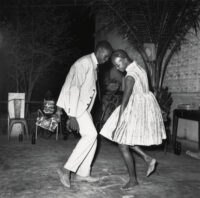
{"x": 49, "y": 106}
{"x": 113, "y": 87}
{"x": 49, "y": 117}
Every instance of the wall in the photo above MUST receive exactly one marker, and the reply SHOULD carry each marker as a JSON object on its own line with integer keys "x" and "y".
{"x": 183, "y": 79}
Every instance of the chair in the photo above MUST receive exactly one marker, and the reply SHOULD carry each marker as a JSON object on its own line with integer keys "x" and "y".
{"x": 16, "y": 111}
{"x": 48, "y": 118}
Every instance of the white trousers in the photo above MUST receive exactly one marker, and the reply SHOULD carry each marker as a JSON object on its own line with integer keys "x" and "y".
{"x": 81, "y": 158}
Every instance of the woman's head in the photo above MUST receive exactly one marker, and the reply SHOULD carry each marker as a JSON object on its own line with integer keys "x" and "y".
{"x": 120, "y": 59}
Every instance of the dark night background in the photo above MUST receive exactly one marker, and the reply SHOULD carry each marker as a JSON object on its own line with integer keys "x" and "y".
{"x": 81, "y": 32}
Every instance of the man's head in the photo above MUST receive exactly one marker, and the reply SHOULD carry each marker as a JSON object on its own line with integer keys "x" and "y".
{"x": 120, "y": 59}
{"x": 103, "y": 51}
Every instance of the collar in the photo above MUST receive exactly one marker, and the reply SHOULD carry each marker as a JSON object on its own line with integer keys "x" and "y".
{"x": 94, "y": 60}
{"x": 130, "y": 66}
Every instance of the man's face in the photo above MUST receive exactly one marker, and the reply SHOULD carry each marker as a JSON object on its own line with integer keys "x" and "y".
{"x": 103, "y": 55}
{"x": 119, "y": 64}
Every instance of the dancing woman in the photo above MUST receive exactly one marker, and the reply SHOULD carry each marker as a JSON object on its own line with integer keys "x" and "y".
{"x": 138, "y": 120}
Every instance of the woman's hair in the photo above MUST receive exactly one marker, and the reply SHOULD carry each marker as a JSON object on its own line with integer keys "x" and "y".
{"x": 121, "y": 54}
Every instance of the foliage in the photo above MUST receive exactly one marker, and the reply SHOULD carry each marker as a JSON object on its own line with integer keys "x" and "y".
{"x": 40, "y": 40}
{"x": 164, "y": 23}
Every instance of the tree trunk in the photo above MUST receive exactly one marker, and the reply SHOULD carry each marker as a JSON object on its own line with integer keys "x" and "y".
{"x": 29, "y": 94}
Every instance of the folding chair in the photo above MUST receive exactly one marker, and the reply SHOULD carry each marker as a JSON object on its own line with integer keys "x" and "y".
{"x": 16, "y": 112}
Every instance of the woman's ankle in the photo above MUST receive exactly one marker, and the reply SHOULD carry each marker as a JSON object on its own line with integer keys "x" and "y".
{"x": 133, "y": 180}
{"x": 147, "y": 159}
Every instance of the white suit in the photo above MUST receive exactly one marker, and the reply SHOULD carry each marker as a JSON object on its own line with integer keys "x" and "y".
{"x": 77, "y": 98}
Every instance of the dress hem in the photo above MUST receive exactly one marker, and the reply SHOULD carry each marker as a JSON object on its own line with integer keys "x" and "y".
{"x": 138, "y": 144}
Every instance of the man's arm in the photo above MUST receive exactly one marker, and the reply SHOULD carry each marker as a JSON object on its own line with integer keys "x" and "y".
{"x": 78, "y": 78}
{"x": 70, "y": 92}
{"x": 75, "y": 80}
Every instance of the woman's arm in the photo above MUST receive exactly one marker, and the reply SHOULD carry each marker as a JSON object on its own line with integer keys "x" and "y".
{"x": 129, "y": 83}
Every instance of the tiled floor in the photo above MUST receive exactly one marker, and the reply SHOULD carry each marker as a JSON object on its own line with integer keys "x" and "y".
{"x": 29, "y": 171}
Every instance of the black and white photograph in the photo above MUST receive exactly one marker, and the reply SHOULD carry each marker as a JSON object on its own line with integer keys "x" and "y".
{"x": 99, "y": 98}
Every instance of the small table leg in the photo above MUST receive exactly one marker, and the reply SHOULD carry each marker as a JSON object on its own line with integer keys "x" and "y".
{"x": 199, "y": 133}
{"x": 174, "y": 131}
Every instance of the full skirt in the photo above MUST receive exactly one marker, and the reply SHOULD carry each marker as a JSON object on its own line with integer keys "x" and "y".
{"x": 141, "y": 122}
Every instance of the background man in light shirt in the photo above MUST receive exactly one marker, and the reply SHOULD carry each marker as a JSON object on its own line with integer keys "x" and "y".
{"x": 77, "y": 98}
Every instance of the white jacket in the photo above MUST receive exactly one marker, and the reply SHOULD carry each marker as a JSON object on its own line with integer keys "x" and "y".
{"x": 79, "y": 90}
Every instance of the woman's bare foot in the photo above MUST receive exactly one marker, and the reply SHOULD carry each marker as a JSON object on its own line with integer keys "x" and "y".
{"x": 130, "y": 185}
{"x": 151, "y": 166}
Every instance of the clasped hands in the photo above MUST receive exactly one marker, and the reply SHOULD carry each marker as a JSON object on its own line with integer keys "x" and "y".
{"x": 72, "y": 125}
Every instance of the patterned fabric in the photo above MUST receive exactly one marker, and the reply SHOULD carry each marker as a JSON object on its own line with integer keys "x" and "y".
{"x": 48, "y": 118}
{"x": 141, "y": 122}
{"x": 49, "y": 123}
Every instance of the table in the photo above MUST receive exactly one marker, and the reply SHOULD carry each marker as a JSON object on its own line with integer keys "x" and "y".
{"x": 185, "y": 114}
